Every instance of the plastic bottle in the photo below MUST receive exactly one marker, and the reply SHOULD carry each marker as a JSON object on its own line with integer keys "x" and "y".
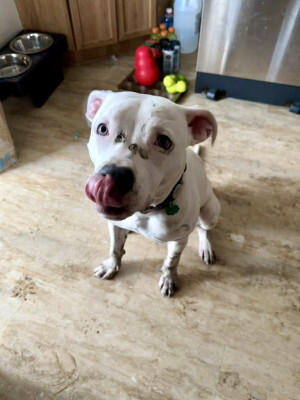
{"x": 187, "y": 15}
{"x": 176, "y": 61}
{"x": 162, "y": 27}
{"x": 155, "y": 35}
{"x": 168, "y": 59}
{"x": 164, "y": 43}
{"x": 168, "y": 18}
{"x": 171, "y": 33}
{"x": 158, "y": 55}
{"x": 164, "y": 34}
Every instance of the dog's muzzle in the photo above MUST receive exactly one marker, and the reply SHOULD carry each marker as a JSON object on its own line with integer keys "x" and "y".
{"x": 123, "y": 177}
{"x": 110, "y": 189}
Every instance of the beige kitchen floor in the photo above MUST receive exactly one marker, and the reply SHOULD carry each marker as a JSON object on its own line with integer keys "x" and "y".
{"x": 230, "y": 332}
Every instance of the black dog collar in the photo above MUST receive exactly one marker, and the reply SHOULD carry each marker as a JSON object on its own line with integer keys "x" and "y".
{"x": 167, "y": 204}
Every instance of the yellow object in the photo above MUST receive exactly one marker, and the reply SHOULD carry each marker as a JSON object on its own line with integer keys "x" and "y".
{"x": 172, "y": 89}
{"x": 175, "y": 83}
{"x": 155, "y": 35}
{"x": 171, "y": 33}
{"x": 181, "y": 86}
{"x": 169, "y": 80}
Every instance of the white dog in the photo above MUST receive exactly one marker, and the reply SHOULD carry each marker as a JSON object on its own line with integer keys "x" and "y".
{"x": 147, "y": 179}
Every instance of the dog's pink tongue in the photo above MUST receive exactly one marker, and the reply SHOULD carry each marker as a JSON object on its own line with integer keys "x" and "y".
{"x": 102, "y": 190}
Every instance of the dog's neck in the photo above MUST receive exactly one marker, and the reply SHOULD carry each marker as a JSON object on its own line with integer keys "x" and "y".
{"x": 168, "y": 202}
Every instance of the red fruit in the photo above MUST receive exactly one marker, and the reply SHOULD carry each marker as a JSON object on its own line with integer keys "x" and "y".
{"x": 146, "y": 69}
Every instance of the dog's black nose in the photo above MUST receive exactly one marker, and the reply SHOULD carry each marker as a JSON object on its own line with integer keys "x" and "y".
{"x": 123, "y": 177}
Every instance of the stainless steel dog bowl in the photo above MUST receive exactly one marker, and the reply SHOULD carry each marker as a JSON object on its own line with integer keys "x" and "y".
{"x": 13, "y": 64}
{"x": 31, "y": 43}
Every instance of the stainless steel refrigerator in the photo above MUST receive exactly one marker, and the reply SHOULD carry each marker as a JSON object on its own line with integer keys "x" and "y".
{"x": 250, "y": 49}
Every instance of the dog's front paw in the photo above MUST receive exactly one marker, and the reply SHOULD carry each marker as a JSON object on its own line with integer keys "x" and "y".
{"x": 107, "y": 269}
{"x": 206, "y": 252}
{"x": 168, "y": 284}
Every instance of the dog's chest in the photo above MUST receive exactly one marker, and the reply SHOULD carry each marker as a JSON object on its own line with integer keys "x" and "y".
{"x": 157, "y": 226}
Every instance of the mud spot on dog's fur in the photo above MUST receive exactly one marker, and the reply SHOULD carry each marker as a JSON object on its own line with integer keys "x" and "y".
{"x": 143, "y": 130}
{"x": 133, "y": 147}
{"x": 136, "y": 149}
{"x": 121, "y": 138}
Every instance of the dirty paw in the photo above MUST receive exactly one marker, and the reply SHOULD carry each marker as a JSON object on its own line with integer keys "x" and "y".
{"x": 208, "y": 258}
{"x": 168, "y": 285}
{"x": 107, "y": 269}
{"x": 206, "y": 253}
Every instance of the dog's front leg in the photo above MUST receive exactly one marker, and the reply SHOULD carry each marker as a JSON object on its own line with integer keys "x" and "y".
{"x": 168, "y": 282}
{"x": 111, "y": 266}
{"x": 208, "y": 218}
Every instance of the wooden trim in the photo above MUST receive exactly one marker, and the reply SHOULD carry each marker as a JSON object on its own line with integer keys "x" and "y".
{"x": 84, "y": 55}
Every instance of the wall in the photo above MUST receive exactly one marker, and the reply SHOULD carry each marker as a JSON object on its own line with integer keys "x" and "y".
{"x": 10, "y": 23}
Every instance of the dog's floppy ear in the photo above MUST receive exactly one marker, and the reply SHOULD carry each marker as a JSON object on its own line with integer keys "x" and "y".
{"x": 202, "y": 124}
{"x": 94, "y": 102}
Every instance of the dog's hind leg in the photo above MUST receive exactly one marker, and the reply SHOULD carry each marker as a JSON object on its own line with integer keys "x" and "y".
{"x": 108, "y": 268}
{"x": 208, "y": 218}
{"x": 168, "y": 282}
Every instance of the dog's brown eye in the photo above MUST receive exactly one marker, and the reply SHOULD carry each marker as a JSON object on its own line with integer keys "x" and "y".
{"x": 102, "y": 130}
{"x": 164, "y": 142}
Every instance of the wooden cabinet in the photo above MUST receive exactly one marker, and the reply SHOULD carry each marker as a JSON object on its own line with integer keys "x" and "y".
{"x": 104, "y": 22}
{"x": 94, "y": 22}
{"x": 135, "y": 18}
{"x": 92, "y": 27}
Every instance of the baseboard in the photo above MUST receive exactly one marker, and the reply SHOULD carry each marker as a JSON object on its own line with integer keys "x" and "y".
{"x": 248, "y": 89}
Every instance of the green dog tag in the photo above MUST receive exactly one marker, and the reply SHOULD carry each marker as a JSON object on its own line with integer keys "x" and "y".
{"x": 172, "y": 209}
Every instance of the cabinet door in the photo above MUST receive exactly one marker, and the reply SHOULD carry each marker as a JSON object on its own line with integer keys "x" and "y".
{"x": 94, "y": 22}
{"x": 135, "y": 18}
